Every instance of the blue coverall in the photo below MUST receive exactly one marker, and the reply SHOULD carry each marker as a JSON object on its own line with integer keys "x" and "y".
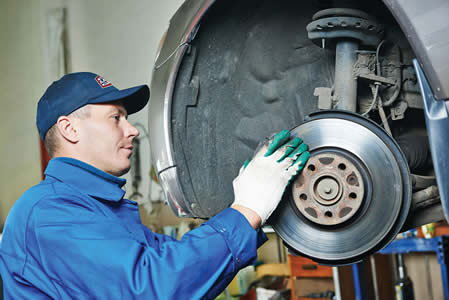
{"x": 74, "y": 236}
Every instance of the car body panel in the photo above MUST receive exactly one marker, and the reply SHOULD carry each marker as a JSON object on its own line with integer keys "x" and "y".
{"x": 426, "y": 25}
{"x": 437, "y": 120}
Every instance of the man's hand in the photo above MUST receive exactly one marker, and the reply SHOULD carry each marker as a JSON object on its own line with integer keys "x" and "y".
{"x": 261, "y": 182}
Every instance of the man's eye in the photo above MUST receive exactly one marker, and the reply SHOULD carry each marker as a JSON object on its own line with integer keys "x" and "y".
{"x": 116, "y": 117}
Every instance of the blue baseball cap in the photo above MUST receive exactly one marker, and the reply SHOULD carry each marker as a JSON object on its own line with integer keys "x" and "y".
{"x": 76, "y": 90}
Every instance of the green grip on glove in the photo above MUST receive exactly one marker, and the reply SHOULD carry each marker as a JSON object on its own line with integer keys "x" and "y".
{"x": 245, "y": 163}
{"x": 279, "y": 139}
{"x": 299, "y": 150}
{"x": 291, "y": 148}
{"x": 300, "y": 162}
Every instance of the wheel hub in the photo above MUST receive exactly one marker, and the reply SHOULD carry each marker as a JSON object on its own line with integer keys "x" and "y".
{"x": 330, "y": 189}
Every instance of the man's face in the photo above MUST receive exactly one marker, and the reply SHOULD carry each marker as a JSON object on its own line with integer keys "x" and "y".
{"x": 105, "y": 138}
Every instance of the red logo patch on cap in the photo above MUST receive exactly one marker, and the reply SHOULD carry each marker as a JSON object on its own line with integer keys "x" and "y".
{"x": 102, "y": 82}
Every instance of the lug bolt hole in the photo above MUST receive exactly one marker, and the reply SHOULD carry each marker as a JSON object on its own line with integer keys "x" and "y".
{"x": 352, "y": 180}
{"x": 303, "y": 197}
{"x": 328, "y": 214}
{"x": 311, "y": 168}
{"x": 342, "y": 166}
{"x": 353, "y": 195}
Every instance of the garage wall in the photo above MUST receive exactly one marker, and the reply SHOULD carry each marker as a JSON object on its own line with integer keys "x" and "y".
{"x": 20, "y": 85}
{"x": 117, "y": 39}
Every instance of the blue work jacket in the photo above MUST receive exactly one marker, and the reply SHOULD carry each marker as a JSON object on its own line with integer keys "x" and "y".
{"x": 74, "y": 236}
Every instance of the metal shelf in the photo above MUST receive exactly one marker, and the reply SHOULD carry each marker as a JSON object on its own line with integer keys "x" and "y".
{"x": 439, "y": 245}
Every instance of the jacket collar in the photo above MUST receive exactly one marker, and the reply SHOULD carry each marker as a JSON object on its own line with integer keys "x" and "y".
{"x": 88, "y": 179}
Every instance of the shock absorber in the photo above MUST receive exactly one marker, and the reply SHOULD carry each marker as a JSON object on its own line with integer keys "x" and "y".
{"x": 344, "y": 30}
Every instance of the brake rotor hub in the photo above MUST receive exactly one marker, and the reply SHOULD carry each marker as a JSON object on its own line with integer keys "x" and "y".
{"x": 330, "y": 189}
{"x": 352, "y": 197}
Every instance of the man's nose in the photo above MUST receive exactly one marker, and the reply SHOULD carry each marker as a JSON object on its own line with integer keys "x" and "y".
{"x": 132, "y": 130}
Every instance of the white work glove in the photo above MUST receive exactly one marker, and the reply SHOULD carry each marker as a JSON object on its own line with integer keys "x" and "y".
{"x": 261, "y": 182}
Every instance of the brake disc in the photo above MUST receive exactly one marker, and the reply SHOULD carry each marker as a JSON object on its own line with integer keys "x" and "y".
{"x": 353, "y": 195}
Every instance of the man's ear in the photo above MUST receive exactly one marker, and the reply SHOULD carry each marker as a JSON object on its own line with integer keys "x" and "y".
{"x": 67, "y": 129}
